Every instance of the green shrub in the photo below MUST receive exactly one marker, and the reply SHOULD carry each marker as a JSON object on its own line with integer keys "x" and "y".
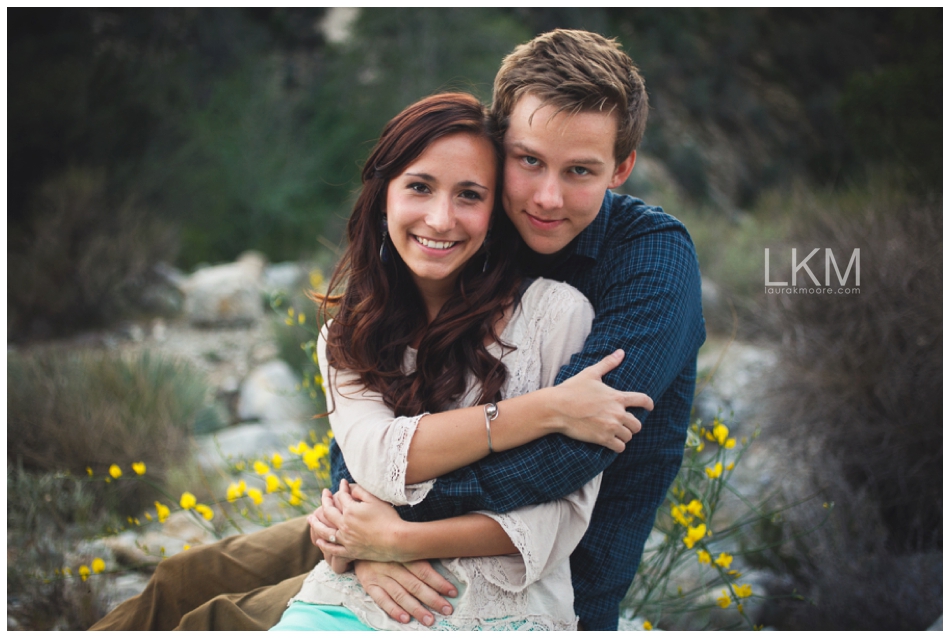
{"x": 68, "y": 411}
{"x": 83, "y": 260}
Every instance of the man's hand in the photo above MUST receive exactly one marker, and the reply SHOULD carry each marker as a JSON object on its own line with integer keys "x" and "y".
{"x": 589, "y": 410}
{"x": 404, "y": 589}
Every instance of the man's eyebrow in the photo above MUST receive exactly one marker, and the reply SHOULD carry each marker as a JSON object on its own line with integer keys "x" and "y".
{"x": 582, "y": 161}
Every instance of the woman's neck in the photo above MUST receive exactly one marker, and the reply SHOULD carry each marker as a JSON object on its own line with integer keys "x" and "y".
{"x": 434, "y": 295}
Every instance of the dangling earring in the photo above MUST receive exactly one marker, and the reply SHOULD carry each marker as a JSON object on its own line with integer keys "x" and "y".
{"x": 383, "y": 249}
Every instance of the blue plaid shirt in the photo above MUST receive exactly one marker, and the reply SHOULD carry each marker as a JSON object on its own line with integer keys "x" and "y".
{"x": 638, "y": 268}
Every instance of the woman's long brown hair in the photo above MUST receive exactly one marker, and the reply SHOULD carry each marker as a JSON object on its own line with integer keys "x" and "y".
{"x": 380, "y": 313}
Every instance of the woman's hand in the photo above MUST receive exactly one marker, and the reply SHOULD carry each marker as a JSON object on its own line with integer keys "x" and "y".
{"x": 366, "y": 527}
{"x": 589, "y": 410}
{"x": 322, "y": 530}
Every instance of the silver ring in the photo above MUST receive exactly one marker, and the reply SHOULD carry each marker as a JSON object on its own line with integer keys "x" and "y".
{"x": 333, "y": 538}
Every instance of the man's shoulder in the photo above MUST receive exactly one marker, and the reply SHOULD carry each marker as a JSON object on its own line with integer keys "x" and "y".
{"x": 629, "y": 217}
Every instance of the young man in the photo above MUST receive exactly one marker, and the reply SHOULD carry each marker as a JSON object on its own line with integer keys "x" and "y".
{"x": 572, "y": 109}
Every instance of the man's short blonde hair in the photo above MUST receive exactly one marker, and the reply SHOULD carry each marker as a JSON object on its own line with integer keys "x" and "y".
{"x": 575, "y": 71}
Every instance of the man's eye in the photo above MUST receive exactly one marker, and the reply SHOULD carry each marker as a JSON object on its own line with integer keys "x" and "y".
{"x": 530, "y": 161}
{"x": 580, "y": 170}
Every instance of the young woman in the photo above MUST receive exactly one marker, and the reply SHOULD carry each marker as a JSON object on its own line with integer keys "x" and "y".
{"x": 427, "y": 363}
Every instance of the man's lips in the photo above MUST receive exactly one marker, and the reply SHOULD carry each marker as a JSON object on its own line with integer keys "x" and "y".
{"x": 544, "y": 224}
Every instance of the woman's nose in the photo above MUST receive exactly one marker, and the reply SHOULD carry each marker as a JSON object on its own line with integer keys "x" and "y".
{"x": 441, "y": 217}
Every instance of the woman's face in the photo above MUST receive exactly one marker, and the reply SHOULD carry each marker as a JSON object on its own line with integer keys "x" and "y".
{"x": 439, "y": 208}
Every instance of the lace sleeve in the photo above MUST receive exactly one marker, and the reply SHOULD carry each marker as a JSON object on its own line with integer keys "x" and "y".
{"x": 374, "y": 442}
{"x": 558, "y": 319}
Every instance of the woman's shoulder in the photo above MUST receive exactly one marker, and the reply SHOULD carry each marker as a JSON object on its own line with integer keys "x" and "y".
{"x": 544, "y": 294}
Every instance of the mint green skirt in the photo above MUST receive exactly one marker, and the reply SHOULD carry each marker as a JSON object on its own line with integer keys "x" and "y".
{"x": 302, "y": 616}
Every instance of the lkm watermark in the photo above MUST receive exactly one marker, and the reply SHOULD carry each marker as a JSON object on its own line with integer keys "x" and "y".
{"x": 800, "y": 285}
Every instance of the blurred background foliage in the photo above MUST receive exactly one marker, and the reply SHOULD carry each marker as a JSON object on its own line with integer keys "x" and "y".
{"x": 244, "y": 128}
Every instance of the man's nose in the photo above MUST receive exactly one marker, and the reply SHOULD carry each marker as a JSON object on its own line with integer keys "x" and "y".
{"x": 548, "y": 195}
{"x": 441, "y": 217}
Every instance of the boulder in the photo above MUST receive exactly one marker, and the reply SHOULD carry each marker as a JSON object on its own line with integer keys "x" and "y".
{"x": 226, "y": 295}
{"x": 249, "y": 440}
{"x": 285, "y": 277}
{"x": 270, "y": 393}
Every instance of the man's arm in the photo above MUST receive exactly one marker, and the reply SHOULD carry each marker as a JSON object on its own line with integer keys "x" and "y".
{"x": 649, "y": 306}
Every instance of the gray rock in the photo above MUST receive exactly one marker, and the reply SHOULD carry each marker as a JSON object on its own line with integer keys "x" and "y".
{"x": 286, "y": 277}
{"x": 270, "y": 393}
{"x": 250, "y": 440}
{"x": 229, "y": 294}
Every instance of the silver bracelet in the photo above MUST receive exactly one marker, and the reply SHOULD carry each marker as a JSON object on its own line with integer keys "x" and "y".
{"x": 491, "y": 413}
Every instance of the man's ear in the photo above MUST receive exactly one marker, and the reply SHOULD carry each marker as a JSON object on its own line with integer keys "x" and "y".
{"x": 622, "y": 172}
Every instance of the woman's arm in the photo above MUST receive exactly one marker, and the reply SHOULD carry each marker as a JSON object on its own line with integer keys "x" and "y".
{"x": 385, "y": 453}
{"x": 367, "y": 528}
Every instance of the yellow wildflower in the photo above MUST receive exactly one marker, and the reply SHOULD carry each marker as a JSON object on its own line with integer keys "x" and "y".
{"x": 742, "y": 591}
{"x": 273, "y": 483}
{"x": 704, "y": 557}
{"x": 739, "y": 608}
{"x": 256, "y": 495}
{"x": 138, "y": 468}
{"x": 694, "y": 534}
{"x": 261, "y": 468}
{"x": 98, "y": 566}
{"x": 240, "y": 465}
{"x": 67, "y": 571}
{"x": 299, "y": 449}
{"x": 162, "y": 512}
{"x": 311, "y": 457}
{"x": 695, "y": 508}
{"x": 678, "y": 512}
{"x": 296, "y": 498}
{"x": 115, "y": 471}
{"x": 187, "y": 501}
{"x": 186, "y": 547}
{"x": 148, "y": 516}
{"x": 730, "y": 466}
{"x": 316, "y": 278}
{"x": 89, "y": 471}
{"x": 236, "y": 491}
{"x": 701, "y": 446}
{"x": 277, "y": 460}
{"x": 734, "y": 573}
{"x": 205, "y": 511}
{"x": 647, "y": 625}
{"x": 714, "y": 472}
{"x": 290, "y": 311}
{"x": 83, "y": 572}
{"x": 108, "y": 480}
{"x": 289, "y": 321}
{"x": 720, "y": 433}
{"x": 724, "y": 600}
{"x": 724, "y": 560}
{"x": 729, "y": 444}
{"x": 301, "y": 318}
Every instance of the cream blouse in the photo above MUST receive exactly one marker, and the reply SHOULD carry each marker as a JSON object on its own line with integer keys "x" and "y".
{"x": 528, "y": 590}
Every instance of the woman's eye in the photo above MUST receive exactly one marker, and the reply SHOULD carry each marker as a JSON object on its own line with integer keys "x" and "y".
{"x": 419, "y": 187}
{"x": 472, "y": 195}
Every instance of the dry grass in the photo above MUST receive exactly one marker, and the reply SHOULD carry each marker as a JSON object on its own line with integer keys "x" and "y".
{"x": 860, "y": 402}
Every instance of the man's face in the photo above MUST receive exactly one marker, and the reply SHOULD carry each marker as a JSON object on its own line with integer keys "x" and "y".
{"x": 557, "y": 169}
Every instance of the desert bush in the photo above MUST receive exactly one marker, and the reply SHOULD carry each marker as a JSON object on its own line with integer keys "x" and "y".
{"x": 84, "y": 258}
{"x": 46, "y": 515}
{"x": 859, "y": 400}
{"x": 69, "y": 411}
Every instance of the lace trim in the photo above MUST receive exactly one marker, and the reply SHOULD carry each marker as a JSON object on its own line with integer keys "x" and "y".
{"x": 497, "y": 610}
{"x": 527, "y": 570}
{"x": 403, "y": 429}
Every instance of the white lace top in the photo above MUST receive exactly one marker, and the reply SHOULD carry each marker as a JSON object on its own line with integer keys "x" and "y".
{"x": 528, "y": 590}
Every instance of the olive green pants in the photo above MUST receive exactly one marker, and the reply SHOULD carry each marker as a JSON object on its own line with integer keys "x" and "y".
{"x": 242, "y": 583}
